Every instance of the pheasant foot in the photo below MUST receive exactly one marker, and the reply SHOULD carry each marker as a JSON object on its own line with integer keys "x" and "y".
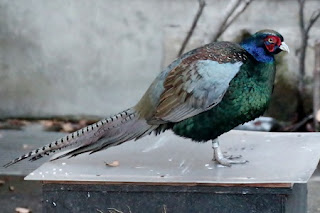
{"x": 222, "y": 159}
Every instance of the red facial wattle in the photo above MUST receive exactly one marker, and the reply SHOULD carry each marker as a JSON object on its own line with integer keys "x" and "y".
{"x": 271, "y": 45}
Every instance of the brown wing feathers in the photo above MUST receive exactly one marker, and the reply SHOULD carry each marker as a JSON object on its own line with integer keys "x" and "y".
{"x": 178, "y": 100}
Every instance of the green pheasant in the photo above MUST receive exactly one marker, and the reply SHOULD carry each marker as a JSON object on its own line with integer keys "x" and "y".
{"x": 201, "y": 95}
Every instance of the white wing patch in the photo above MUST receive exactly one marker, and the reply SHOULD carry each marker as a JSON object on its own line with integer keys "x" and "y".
{"x": 194, "y": 88}
{"x": 215, "y": 79}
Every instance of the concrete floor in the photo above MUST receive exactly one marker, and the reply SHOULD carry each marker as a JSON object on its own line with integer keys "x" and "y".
{"x": 15, "y": 192}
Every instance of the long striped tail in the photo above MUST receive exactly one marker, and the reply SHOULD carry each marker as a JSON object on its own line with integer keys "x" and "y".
{"x": 108, "y": 132}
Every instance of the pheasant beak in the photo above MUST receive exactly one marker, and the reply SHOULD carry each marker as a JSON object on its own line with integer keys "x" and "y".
{"x": 284, "y": 47}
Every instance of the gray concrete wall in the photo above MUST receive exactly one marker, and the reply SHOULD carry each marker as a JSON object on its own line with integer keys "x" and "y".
{"x": 98, "y": 57}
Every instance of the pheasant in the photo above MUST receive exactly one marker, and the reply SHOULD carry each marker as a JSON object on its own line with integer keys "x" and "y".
{"x": 204, "y": 93}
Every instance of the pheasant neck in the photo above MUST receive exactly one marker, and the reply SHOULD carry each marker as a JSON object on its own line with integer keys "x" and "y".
{"x": 258, "y": 52}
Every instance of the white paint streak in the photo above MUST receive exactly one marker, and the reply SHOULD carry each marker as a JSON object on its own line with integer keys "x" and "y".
{"x": 157, "y": 144}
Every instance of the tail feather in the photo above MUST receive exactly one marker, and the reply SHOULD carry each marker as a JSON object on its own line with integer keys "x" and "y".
{"x": 108, "y": 132}
{"x": 129, "y": 131}
{"x": 136, "y": 136}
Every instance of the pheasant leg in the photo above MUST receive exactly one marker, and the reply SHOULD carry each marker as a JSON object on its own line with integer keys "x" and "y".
{"x": 224, "y": 160}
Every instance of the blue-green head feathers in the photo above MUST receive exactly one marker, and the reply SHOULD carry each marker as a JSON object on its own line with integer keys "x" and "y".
{"x": 264, "y": 44}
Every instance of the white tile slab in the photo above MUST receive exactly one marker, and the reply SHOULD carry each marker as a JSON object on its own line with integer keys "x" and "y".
{"x": 273, "y": 158}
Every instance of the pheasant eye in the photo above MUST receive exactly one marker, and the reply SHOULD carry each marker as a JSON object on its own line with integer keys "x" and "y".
{"x": 270, "y": 40}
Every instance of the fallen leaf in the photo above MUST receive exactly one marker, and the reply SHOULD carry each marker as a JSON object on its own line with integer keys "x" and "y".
{"x": 22, "y": 210}
{"x": 11, "y": 188}
{"x": 67, "y": 127}
{"x": 16, "y": 122}
{"x": 51, "y": 126}
{"x": 8, "y": 125}
{"x": 113, "y": 164}
{"x": 47, "y": 123}
{"x": 83, "y": 123}
{"x": 25, "y": 146}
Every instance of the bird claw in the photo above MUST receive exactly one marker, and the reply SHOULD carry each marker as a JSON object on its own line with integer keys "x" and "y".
{"x": 232, "y": 157}
{"x": 228, "y": 161}
{"x": 225, "y": 160}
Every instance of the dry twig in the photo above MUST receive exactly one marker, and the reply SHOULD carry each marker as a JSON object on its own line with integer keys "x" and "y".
{"x": 314, "y": 17}
{"x": 304, "y": 30}
{"x": 234, "y": 10}
{"x": 316, "y": 87}
{"x": 202, "y": 4}
{"x": 113, "y": 210}
{"x": 296, "y": 126}
{"x": 164, "y": 209}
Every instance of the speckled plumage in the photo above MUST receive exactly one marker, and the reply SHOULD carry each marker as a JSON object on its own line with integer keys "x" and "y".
{"x": 201, "y": 95}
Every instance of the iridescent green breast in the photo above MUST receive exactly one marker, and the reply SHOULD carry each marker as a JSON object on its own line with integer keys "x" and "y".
{"x": 246, "y": 98}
